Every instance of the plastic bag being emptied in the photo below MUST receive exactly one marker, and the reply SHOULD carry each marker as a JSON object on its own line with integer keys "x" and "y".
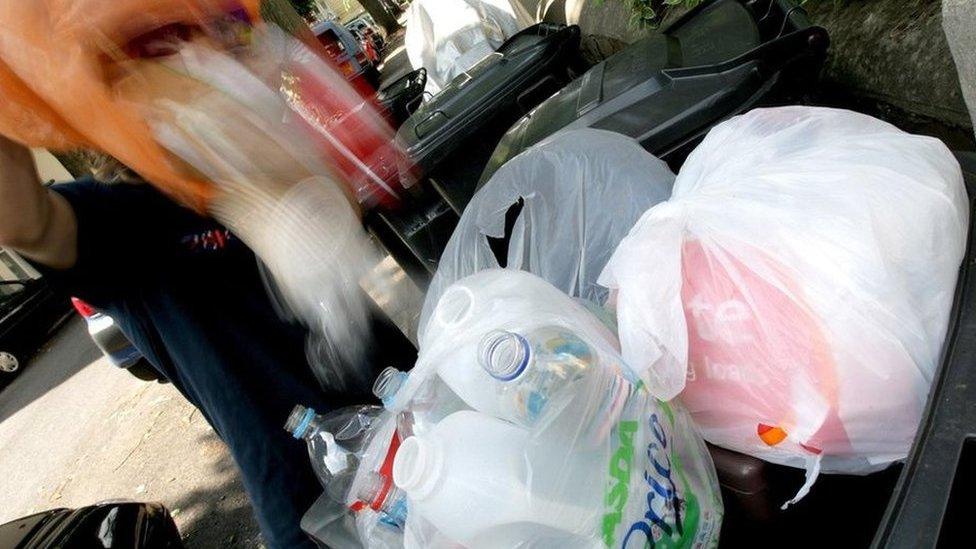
{"x": 231, "y": 107}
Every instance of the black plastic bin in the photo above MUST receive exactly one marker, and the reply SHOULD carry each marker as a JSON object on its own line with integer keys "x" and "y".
{"x": 447, "y": 141}
{"x": 667, "y": 90}
{"x": 936, "y": 492}
{"x": 402, "y": 97}
{"x": 526, "y": 69}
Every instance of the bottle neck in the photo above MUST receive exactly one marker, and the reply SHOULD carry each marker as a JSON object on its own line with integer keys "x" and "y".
{"x": 313, "y": 429}
{"x": 504, "y": 355}
{"x": 300, "y": 422}
{"x": 378, "y": 492}
{"x": 387, "y": 385}
{"x": 418, "y": 466}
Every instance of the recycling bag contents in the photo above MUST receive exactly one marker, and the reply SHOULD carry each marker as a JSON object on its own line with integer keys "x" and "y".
{"x": 520, "y": 423}
{"x": 351, "y": 451}
{"x": 795, "y": 290}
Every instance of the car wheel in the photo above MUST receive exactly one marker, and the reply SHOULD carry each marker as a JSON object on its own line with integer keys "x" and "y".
{"x": 9, "y": 363}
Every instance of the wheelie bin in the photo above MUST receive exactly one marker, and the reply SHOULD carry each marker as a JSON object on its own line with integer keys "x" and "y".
{"x": 935, "y": 491}
{"x": 446, "y": 141}
{"x": 667, "y": 90}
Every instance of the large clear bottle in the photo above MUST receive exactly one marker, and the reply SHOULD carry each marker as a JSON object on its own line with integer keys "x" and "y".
{"x": 536, "y": 372}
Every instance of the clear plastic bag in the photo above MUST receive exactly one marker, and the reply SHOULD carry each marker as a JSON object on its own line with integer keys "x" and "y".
{"x": 596, "y": 460}
{"x": 448, "y": 37}
{"x": 582, "y": 191}
{"x": 796, "y": 288}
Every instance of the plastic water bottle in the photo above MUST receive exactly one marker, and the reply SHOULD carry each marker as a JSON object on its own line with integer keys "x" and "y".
{"x": 470, "y": 475}
{"x": 535, "y": 372}
{"x": 336, "y": 443}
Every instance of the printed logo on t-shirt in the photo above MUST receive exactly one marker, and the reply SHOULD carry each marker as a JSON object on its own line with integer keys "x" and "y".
{"x": 208, "y": 241}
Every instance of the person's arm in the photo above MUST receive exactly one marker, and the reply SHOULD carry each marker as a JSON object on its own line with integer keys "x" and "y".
{"x": 36, "y": 222}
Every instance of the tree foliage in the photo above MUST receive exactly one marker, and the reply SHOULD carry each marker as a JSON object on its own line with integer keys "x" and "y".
{"x": 305, "y": 8}
{"x": 649, "y": 13}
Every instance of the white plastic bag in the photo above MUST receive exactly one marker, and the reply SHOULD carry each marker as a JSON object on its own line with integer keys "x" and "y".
{"x": 598, "y": 462}
{"x": 796, "y": 288}
{"x": 448, "y": 37}
{"x": 582, "y": 190}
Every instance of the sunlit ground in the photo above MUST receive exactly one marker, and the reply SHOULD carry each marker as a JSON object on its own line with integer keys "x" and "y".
{"x": 74, "y": 430}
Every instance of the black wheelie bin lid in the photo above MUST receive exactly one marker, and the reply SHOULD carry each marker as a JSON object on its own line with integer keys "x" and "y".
{"x": 536, "y": 58}
{"x": 447, "y": 141}
{"x": 667, "y": 90}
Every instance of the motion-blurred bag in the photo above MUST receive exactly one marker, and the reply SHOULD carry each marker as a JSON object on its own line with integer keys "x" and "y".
{"x": 82, "y": 73}
{"x": 796, "y": 288}
{"x": 233, "y": 108}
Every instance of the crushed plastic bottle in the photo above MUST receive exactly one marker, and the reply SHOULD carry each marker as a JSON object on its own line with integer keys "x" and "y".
{"x": 333, "y": 439}
{"x": 351, "y": 451}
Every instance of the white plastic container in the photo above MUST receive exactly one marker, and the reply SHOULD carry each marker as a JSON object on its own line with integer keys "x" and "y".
{"x": 524, "y": 373}
{"x": 470, "y": 476}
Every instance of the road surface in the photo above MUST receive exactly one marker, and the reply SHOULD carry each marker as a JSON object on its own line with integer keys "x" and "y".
{"x": 74, "y": 430}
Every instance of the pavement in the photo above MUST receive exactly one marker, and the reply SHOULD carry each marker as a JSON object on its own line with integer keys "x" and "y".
{"x": 74, "y": 430}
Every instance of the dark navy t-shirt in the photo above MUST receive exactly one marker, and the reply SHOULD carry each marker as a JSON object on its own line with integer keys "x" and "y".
{"x": 190, "y": 296}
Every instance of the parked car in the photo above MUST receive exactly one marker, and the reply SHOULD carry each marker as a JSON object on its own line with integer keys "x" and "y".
{"x": 30, "y": 310}
{"x": 114, "y": 344}
{"x": 116, "y": 525}
{"x": 365, "y": 27}
{"x": 347, "y": 53}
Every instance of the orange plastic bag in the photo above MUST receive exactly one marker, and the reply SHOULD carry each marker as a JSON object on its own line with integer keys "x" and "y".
{"x": 232, "y": 107}
{"x": 59, "y": 61}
